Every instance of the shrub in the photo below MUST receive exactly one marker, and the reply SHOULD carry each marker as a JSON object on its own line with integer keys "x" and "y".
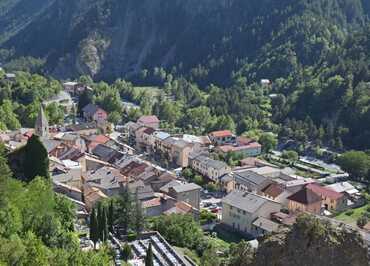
{"x": 349, "y": 212}
{"x": 362, "y": 221}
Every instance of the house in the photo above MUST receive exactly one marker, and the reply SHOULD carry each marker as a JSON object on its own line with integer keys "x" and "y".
{"x": 240, "y": 210}
{"x": 227, "y": 182}
{"x": 222, "y": 137}
{"x": 106, "y": 153}
{"x": 276, "y": 192}
{"x": 305, "y": 200}
{"x": 177, "y": 150}
{"x": 108, "y": 179}
{"x": 147, "y": 140}
{"x": 68, "y": 190}
{"x": 249, "y": 181}
{"x": 242, "y": 146}
{"x": 92, "y": 195}
{"x": 94, "y": 140}
{"x": 331, "y": 200}
{"x": 159, "y": 137}
{"x": 212, "y": 169}
{"x": 343, "y": 187}
{"x": 75, "y": 88}
{"x": 85, "y": 129}
{"x": 149, "y": 121}
{"x": 189, "y": 192}
{"x": 72, "y": 140}
{"x": 262, "y": 226}
{"x": 54, "y": 147}
{"x": 164, "y": 204}
{"x": 92, "y": 112}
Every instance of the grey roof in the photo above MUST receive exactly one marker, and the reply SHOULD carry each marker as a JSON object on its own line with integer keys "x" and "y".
{"x": 266, "y": 224}
{"x": 186, "y": 187}
{"x": 226, "y": 178}
{"x": 210, "y": 162}
{"x": 251, "y": 177}
{"x": 245, "y": 201}
{"x": 105, "y": 177}
{"x": 106, "y": 153}
{"x": 172, "y": 183}
{"x": 50, "y": 144}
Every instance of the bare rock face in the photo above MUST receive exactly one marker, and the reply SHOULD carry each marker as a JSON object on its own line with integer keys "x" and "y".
{"x": 91, "y": 54}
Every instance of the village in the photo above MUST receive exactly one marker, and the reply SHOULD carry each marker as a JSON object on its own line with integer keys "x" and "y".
{"x": 92, "y": 160}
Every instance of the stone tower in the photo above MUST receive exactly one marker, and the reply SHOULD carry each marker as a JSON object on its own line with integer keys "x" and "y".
{"x": 42, "y": 125}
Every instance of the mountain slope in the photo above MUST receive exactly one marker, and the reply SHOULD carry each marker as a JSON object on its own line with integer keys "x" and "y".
{"x": 110, "y": 38}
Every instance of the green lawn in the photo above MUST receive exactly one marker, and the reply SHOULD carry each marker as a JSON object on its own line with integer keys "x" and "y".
{"x": 351, "y": 219}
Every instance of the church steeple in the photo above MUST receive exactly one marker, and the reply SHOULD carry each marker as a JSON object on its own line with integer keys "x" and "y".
{"x": 42, "y": 124}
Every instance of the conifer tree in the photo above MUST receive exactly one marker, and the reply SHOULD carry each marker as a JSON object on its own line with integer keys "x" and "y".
{"x": 93, "y": 227}
{"x": 139, "y": 218}
{"x": 149, "y": 256}
{"x": 104, "y": 225}
{"x": 111, "y": 216}
{"x": 36, "y": 160}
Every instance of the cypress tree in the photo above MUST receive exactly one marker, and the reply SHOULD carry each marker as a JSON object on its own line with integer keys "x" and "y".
{"x": 100, "y": 222}
{"x": 111, "y": 216}
{"x": 149, "y": 256}
{"x": 139, "y": 218}
{"x": 105, "y": 231}
{"x": 36, "y": 160}
{"x": 93, "y": 227}
{"x": 124, "y": 209}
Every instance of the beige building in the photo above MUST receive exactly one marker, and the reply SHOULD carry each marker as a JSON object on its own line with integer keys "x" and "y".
{"x": 189, "y": 193}
{"x": 241, "y": 209}
{"x": 210, "y": 168}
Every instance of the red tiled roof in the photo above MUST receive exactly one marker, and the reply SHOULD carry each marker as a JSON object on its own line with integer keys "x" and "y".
{"x": 183, "y": 207}
{"x": 230, "y": 148}
{"x": 305, "y": 196}
{"x": 152, "y": 203}
{"x": 221, "y": 133}
{"x": 324, "y": 192}
{"x": 273, "y": 190}
{"x": 148, "y": 119}
{"x": 100, "y": 139}
{"x": 149, "y": 131}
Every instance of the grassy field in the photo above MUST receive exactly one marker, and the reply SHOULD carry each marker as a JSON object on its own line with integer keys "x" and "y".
{"x": 351, "y": 218}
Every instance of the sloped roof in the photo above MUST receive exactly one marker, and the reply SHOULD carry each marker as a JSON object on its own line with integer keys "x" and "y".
{"x": 305, "y": 196}
{"x": 148, "y": 119}
{"x": 273, "y": 190}
{"x": 248, "y": 202}
{"x": 325, "y": 192}
{"x": 91, "y": 109}
{"x": 221, "y": 133}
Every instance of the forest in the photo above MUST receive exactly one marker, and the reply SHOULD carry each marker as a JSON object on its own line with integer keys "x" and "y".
{"x": 315, "y": 53}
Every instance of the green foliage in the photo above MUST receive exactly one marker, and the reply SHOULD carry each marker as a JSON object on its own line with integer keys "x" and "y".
{"x": 356, "y": 163}
{"x": 290, "y": 155}
{"x": 268, "y": 142}
{"x": 179, "y": 230}
{"x": 36, "y": 160}
{"x": 241, "y": 254}
{"x": 149, "y": 258}
{"x": 207, "y": 217}
{"x": 126, "y": 252}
